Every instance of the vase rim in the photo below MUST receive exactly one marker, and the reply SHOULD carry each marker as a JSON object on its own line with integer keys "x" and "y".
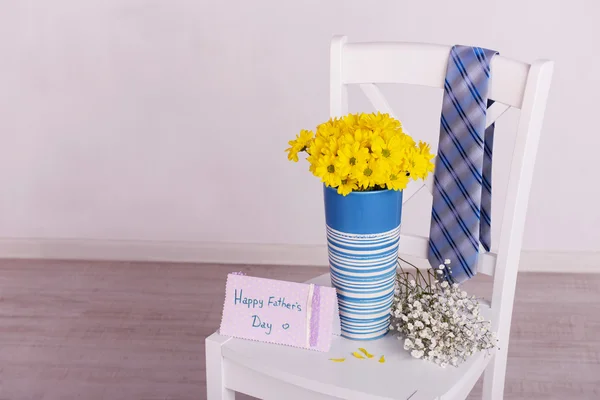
{"x": 364, "y": 193}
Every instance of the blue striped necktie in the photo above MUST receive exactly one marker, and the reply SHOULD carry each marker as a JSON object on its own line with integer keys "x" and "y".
{"x": 461, "y": 212}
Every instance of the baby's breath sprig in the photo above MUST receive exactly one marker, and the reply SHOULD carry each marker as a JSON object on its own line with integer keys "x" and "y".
{"x": 438, "y": 321}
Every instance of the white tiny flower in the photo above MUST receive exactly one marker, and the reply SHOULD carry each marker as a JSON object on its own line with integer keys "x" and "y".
{"x": 447, "y": 261}
{"x": 417, "y": 353}
{"x": 443, "y": 365}
{"x": 441, "y": 266}
{"x": 440, "y": 321}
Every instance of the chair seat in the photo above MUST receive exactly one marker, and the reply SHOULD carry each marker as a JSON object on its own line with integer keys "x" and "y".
{"x": 264, "y": 370}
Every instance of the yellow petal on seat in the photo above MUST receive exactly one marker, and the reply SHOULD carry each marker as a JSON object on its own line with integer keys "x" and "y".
{"x": 366, "y": 353}
{"x": 358, "y": 355}
{"x": 382, "y": 359}
{"x": 338, "y": 359}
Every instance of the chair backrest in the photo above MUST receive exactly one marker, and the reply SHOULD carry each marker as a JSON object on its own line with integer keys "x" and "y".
{"x": 513, "y": 84}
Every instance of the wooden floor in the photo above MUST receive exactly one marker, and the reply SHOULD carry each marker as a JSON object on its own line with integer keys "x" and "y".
{"x": 118, "y": 330}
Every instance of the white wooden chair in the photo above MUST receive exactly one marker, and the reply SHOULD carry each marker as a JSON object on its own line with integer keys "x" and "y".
{"x": 271, "y": 371}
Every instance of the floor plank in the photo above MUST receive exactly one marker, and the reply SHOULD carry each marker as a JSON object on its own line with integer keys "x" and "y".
{"x": 122, "y": 330}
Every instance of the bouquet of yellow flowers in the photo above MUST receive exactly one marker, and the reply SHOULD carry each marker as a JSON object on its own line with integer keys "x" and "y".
{"x": 362, "y": 152}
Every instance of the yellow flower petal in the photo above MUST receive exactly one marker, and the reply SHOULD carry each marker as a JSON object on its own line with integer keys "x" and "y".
{"x": 337, "y": 359}
{"x": 357, "y": 355}
{"x": 382, "y": 359}
{"x": 366, "y": 353}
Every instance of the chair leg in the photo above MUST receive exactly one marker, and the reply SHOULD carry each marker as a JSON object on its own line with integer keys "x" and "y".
{"x": 215, "y": 382}
{"x": 494, "y": 377}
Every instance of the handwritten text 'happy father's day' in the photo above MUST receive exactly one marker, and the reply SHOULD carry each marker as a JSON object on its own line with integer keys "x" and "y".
{"x": 260, "y": 303}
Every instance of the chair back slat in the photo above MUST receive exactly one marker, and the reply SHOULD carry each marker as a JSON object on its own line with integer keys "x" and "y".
{"x": 377, "y": 98}
{"x": 424, "y": 64}
{"x": 494, "y": 112}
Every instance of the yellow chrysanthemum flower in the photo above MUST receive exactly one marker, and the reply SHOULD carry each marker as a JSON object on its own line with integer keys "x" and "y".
{"x": 379, "y": 121}
{"x": 325, "y": 169}
{"x": 383, "y": 166}
{"x": 391, "y": 150}
{"x": 315, "y": 151}
{"x": 425, "y": 151}
{"x": 331, "y": 146}
{"x": 347, "y": 186}
{"x": 316, "y": 146}
{"x": 293, "y": 151}
{"x": 302, "y": 141}
{"x": 351, "y": 159}
{"x": 350, "y": 119}
{"x": 420, "y": 164}
{"x": 304, "y": 137}
{"x": 370, "y": 176}
{"x": 397, "y": 181}
{"x": 329, "y": 129}
{"x": 361, "y": 136}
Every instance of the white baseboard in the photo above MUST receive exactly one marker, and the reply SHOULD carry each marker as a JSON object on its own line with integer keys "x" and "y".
{"x": 133, "y": 250}
{"x": 555, "y": 261}
{"x": 243, "y": 253}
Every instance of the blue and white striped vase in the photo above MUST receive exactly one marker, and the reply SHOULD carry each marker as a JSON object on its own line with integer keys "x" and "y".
{"x": 363, "y": 232}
